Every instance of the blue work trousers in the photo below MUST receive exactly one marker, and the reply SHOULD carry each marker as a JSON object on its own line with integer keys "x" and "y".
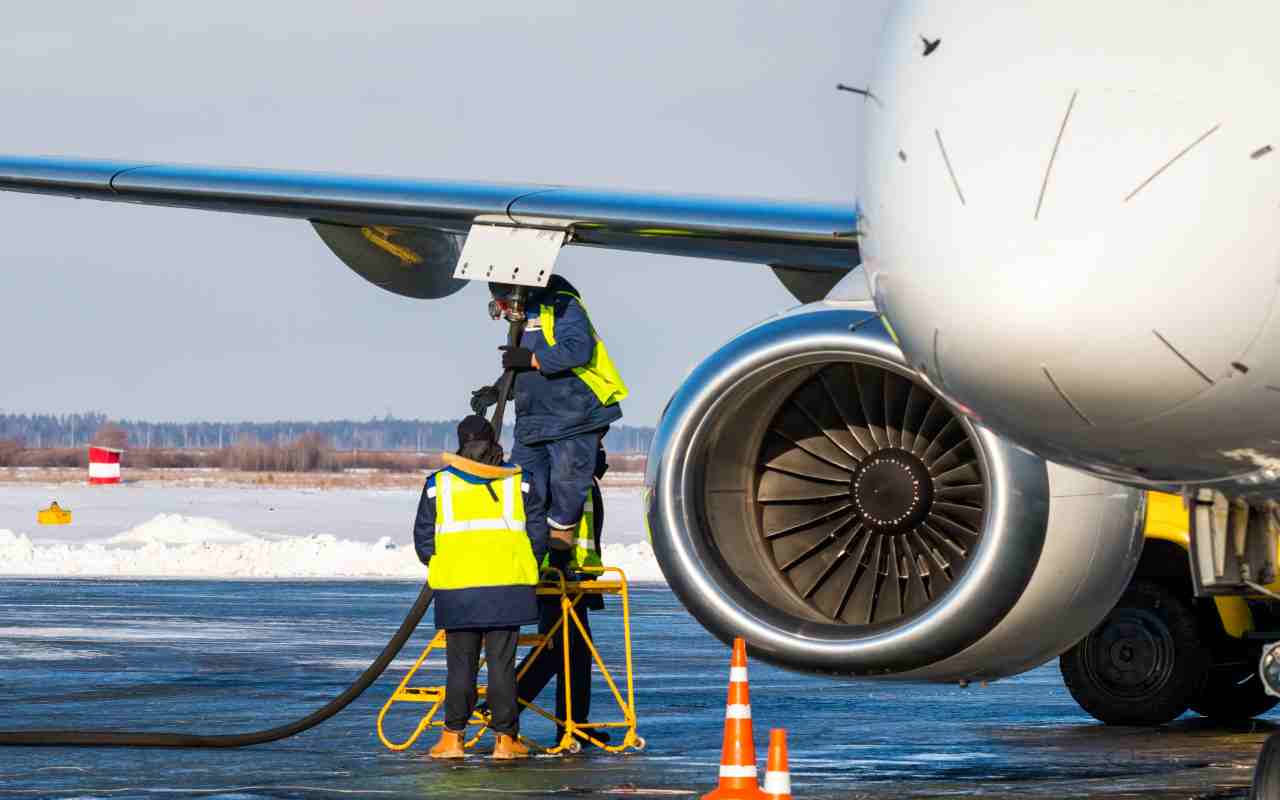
{"x": 559, "y": 474}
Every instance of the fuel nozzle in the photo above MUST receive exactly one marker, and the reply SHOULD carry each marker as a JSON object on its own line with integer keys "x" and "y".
{"x": 508, "y": 302}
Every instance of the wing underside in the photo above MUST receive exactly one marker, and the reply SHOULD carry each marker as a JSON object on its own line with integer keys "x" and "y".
{"x": 795, "y": 236}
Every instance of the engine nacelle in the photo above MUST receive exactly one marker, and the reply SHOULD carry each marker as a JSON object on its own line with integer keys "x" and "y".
{"x": 808, "y": 493}
{"x": 410, "y": 262}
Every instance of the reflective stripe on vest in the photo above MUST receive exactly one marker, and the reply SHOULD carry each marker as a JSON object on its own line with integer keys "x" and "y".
{"x": 480, "y": 541}
{"x": 584, "y": 540}
{"x": 599, "y": 374}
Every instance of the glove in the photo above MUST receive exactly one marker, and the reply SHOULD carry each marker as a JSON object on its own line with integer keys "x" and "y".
{"x": 559, "y": 559}
{"x": 516, "y": 357}
{"x": 482, "y": 398}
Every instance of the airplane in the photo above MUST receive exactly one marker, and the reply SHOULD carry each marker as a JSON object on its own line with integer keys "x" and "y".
{"x": 1056, "y": 290}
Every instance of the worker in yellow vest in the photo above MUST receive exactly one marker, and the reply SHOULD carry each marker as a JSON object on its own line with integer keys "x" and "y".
{"x": 567, "y": 394}
{"x": 482, "y": 561}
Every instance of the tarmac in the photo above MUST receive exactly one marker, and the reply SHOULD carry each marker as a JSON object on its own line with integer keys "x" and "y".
{"x": 228, "y": 656}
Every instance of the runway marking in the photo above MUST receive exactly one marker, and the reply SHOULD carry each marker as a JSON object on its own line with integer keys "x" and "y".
{"x": 954, "y": 181}
{"x": 1171, "y": 162}
{"x": 1065, "y": 398}
{"x": 1048, "y": 170}
{"x": 1185, "y": 360}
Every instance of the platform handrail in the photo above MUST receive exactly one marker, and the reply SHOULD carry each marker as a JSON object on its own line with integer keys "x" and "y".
{"x": 553, "y": 581}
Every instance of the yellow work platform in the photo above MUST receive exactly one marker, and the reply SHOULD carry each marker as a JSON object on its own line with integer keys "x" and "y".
{"x": 609, "y": 580}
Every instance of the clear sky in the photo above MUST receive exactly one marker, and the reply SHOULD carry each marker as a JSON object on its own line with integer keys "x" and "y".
{"x": 168, "y": 314}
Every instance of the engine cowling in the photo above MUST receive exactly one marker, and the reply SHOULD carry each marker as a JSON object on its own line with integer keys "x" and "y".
{"x": 410, "y": 262}
{"x": 808, "y": 492}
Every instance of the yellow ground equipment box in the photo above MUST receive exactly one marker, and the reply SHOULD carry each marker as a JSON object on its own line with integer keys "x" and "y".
{"x": 53, "y": 515}
{"x": 609, "y": 580}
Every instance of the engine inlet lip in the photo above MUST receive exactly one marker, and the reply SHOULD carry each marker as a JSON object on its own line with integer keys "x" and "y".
{"x": 698, "y": 573}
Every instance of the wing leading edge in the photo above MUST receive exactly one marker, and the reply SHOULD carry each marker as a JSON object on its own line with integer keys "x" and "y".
{"x": 786, "y": 234}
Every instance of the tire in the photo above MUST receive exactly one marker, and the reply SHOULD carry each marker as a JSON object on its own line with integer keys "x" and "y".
{"x": 1142, "y": 664}
{"x": 1232, "y": 692}
{"x": 1266, "y": 774}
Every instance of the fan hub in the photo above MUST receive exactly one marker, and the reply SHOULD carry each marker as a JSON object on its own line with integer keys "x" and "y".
{"x": 892, "y": 491}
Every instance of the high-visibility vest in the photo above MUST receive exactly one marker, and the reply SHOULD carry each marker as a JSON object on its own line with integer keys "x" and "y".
{"x": 480, "y": 540}
{"x": 584, "y": 552}
{"x": 599, "y": 374}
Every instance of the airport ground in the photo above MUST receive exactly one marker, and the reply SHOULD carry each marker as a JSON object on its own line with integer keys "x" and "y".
{"x": 234, "y": 655}
{"x": 231, "y": 656}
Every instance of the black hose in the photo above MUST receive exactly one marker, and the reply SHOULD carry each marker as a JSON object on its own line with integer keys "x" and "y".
{"x": 507, "y": 382}
{"x": 146, "y": 739}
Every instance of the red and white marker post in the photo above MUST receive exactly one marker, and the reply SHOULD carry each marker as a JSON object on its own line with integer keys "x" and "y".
{"x": 104, "y": 465}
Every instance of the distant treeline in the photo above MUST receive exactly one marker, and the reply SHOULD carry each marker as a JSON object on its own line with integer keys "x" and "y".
{"x": 45, "y": 431}
{"x": 307, "y": 453}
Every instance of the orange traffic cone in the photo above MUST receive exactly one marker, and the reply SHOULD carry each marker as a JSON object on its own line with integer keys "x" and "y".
{"x": 738, "y": 758}
{"x": 777, "y": 777}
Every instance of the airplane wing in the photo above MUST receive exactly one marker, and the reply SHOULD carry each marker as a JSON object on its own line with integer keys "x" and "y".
{"x": 393, "y": 221}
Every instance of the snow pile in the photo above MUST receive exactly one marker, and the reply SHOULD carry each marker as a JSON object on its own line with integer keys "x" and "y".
{"x": 636, "y": 560}
{"x": 177, "y": 529}
{"x": 173, "y": 545}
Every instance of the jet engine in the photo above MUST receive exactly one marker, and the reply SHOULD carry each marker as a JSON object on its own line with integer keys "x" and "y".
{"x": 809, "y": 492}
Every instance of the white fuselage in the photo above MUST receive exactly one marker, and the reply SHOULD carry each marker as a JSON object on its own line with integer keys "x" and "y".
{"x": 1069, "y": 217}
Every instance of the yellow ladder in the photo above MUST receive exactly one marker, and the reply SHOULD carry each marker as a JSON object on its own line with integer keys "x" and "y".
{"x": 571, "y": 594}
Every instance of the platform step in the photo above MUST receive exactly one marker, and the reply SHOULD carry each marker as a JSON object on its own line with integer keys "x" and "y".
{"x": 419, "y": 694}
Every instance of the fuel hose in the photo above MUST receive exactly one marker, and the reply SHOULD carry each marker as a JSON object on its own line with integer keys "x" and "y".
{"x": 77, "y": 738}
{"x": 507, "y": 382}
{"x": 53, "y": 738}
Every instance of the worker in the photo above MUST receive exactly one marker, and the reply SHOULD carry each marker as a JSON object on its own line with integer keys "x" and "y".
{"x": 482, "y": 561}
{"x": 567, "y": 394}
{"x": 585, "y": 554}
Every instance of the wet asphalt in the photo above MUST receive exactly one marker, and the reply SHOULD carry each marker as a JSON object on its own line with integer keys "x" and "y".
{"x": 228, "y": 656}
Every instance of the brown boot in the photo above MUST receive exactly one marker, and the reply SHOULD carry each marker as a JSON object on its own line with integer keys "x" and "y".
{"x": 449, "y": 746}
{"x": 508, "y": 748}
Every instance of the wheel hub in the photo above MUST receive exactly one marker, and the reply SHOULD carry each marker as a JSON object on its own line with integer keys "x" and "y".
{"x": 1133, "y": 654}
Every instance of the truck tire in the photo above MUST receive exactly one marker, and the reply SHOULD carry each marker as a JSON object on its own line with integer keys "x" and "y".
{"x": 1144, "y": 662}
{"x": 1233, "y": 692}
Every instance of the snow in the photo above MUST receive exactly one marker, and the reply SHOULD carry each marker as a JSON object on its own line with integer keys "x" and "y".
{"x": 245, "y": 544}
{"x": 177, "y": 529}
{"x": 363, "y": 515}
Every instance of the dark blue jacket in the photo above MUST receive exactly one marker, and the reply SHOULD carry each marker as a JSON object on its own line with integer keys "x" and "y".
{"x": 552, "y": 403}
{"x": 484, "y": 606}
